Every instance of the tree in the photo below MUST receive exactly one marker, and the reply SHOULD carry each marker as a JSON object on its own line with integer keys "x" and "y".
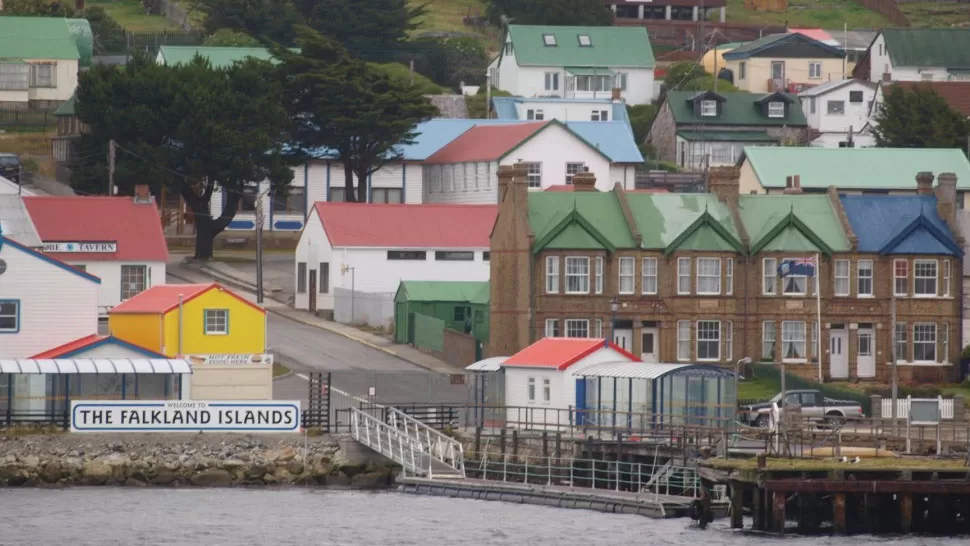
{"x": 919, "y": 118}
{"x": 40, "y": 8}
{"x": 346, "y": 106}
{"x": 550, "y": 12}
{"x": 190, "y": 128}
{"x": 270, "y": 19}
{"x": 368, "y": 29}
{"x": 225, "y": 37}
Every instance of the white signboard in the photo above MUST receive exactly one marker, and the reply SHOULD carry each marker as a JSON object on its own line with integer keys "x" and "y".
{"x": 184, "y": 416}
{"x": 78, "y": 247}
{"x": 230, "y": 360}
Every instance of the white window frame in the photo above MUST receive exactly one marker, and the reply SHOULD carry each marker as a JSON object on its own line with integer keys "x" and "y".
{"x": 574, "y": 327}
{"x": 944, "y": 357}
{"x": 769, "y": 334}
{"x": 814, "y": 70}
{"x": 215, "y": 322}
{"x": 946, "y": 278}
{"x": 776, "y": 109}
{"x": 683, "y": 276}
{"x": 598, "y": 324}
{"x": 708, "y": 108}
{"x": 904, "y": 278}
{"x": 552, "y": 274}
{"x": 126, "y": 272}
{"x": 729, "y": 274}
{"x": 552, "y": 327}
{"x": 842, "y": 277}
{"x": 683, "y": 340}
{"x": 935, "y": 278}
{"x": 627, "y": 268}
{"x": 710, "y": 330}
{"x": 769, "y": 274}
{"x": 577, "y": 269}
{"x": 599, "y": 275}
{"x": 921, "y": 333}
{"x": 546, "y": 390}
{"x": 704, "y": 274}
{"x": 552, "y": 81}
{"x": 862, "y": 265}
{"x": 793, "y": 338}
{"x": 572, "y": 169}
{"x": 535, "y": 169}
{"x": 648, "y": 276}
{"x": 728, "y": 343}
{"x": 531, "y": 389}
{"x": 15, "y": 315}
{"x": 901, "y": 336}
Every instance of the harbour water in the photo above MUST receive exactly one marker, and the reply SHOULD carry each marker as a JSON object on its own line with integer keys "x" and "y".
{"x": 250, "y": 517}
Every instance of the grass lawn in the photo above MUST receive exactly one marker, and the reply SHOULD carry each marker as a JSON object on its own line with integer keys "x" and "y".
{"x": 34, "y": 149}
{"x": 448, "y": 15}
{"x": 279, "y": 369}
{"x": 932, "y": 14}
{"x": 827, "y": 14}
{"x": 757, "y": 389}
{"x": 131, "y": 15}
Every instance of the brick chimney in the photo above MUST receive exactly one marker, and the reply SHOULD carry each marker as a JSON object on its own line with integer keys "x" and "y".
{"x": 143, "y": 196}
{"x": 924, "y": 183}
{"x": 793, "y": 185}
{"x": 616, "y": 94}
{"x": 725, "y": 183}
{"x": 886, "y": 77}
{"x": 946, "y": 199}
{"x": 584, "y": 181}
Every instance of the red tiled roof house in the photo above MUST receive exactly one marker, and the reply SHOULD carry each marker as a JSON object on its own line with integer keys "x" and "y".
{"x": 371, "y": 248}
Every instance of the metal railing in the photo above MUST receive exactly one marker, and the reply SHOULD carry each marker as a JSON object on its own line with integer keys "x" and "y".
{"x": 386, "y": 440}
{"x": 419, "y": 449}
{"x": 445, "y": 449}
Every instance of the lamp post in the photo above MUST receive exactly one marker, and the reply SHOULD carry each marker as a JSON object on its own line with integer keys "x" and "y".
{"x": 614, "y": 307}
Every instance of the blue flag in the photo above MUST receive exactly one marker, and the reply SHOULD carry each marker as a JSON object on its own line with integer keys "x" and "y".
{"x": 797, "y": 266}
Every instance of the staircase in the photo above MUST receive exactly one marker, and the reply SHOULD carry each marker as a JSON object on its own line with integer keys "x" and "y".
{"x": 317, "y": 413}
{"x": 418, "y": 448}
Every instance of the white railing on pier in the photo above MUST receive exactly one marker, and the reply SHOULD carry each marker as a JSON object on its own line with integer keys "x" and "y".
{"x": 438, "y": 446}
{"x": 420, "y": 450}
{"x": 386, "y": 440}
{"x": 902, "y": 408}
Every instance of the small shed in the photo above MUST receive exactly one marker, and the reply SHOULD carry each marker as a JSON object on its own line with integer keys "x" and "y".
{"x": 488, "y": 391}
{"x": 461, "y": 305}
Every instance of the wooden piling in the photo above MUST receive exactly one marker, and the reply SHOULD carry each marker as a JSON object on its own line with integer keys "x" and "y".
{"x": 838, "y": 513}
{"x": 758, "y": 509}
{"x": 478, "y": 443}
{"x": 778, "y": 512}
{"x": 737, "y": 506}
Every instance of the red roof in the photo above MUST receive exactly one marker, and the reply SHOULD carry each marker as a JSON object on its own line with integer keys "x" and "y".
{"x": 560, "y": 352}
{"x": 89, "y": 341}
{"x": 165, "y": 297}
{"x": 407, "y": 226}
{"x": 485, "y": 143}
{"x": 955, "y": 94}
{"x": 136, "y": 228}
{"x": 813, "y": 33}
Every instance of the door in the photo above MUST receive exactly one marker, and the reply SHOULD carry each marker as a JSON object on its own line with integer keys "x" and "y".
{"x": 778, "y": 70}
{"x": 623, "y": 339}
{"x": 648, "y": 349}
{"x": 838, "y": 359}
{"x": 313, "y": 290}
{"x": 866, "y": 359}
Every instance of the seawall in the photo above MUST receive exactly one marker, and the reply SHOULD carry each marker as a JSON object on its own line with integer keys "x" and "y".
{"x": 203, "y": 460}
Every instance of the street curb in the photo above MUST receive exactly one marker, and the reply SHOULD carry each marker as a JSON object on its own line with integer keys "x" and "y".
{"x": 284, "y": 376}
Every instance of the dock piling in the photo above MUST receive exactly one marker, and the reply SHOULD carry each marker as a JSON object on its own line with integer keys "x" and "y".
{"x": 778, "y": 512}
{"x": 838, "y": 513}
{"x": 737, "y": 506}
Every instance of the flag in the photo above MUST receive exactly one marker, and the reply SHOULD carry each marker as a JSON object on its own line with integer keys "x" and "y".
{"x": 797, "y": 266}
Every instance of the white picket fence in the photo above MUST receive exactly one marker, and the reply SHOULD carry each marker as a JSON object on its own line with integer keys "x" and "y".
{"x": 902, "y": 408}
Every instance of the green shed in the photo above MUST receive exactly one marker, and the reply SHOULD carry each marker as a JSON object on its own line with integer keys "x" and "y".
{"x": 458, "y": 304}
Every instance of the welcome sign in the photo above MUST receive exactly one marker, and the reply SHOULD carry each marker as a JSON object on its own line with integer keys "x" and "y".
{"x": 184, "y": 416}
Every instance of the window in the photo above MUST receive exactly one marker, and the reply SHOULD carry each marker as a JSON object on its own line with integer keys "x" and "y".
{"x": 535, "y": 173}
{"x": 386, "y": 195}
{"x": 301, "y": 278}
{"x": 836, "y": 107}
{"x": 337, "y": 195}
{"x": 293, "y": 201}
{"x": 742, "y": 70}
{"x": 794, "y": 285}
{"x": 546, "y": 390}
{"x": 577, "y": 328}
{"x": 324, "y": 278}
{"x": 811, "y": 104}
{"x": 814, "y": 349}
{"x": 683, "y": 340}
{"x": 708, "y": 276}
{"x": 454, "y": 256}
{"x": 945, "y": 353}
{"x": 598, "y": 332}
{"x": 924, "y": 342}
{"x": 584, "y": 41}
{"x": 769, "y": 273}
{"x": 9, "y": 316}
{"x": 730, "y": 276}
{"x": 729, "y": 340}
{"x": 407, "y": 255}
{"x": 793, "y": 340}
{"x": 552, "y": 328}
{"x": 43, "y": 75}
{"x": 532, "y": 389}
{"x": 534, "y": 114}
{"x": 924, "y": 274}
{"x": 900, "y": 342}
{"x": 14, "y": 76}
{"x": 573, "y": 168}
{"x": 683, "y": 275}
{"x": 552, "y": 81}
{"x": 841, "y": 277}
{"x": 619, "y": 81}
{"x": 648, "y": 280}
{"x": 776, "y": 109}
{"x": 864, "y": 274}
{"x": 768, "y": 339}
{"x": 627, "y": 271}
{"x": 134, "y": 280}
{"x": 549, "y": 40}
{"x": 458, "y": 314}
{"x": 901, "y": 276}
{"x": 577, "y": 275}
{"x": 508, "y": 48}
{"x": 946, "y": 278}
{"x": 552, "y": 274}
{"x": 855, "y": 96}
{"x": 599, "y": 274}
{"x": 814, "y": 70}
{"x": 708, "y": 340}
{"x": 216, "y": 322}
{"x": 594, "y": 83}
{"x": 486, "y": 256}
{"x": 599, "y": 115}
{"x": 708, "y": 108}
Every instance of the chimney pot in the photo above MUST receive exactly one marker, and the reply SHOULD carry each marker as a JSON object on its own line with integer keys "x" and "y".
{"x": 924, "y": 183}
{"x": 142, "y": 194}
{"x": 584, "y": 181}
{"x": 946, "y": 198}
{"x": 797, "y": 181}
{"x": 793, "y": 184}
{"x": 616, "y": 94}
{"x": 788, "y": 182}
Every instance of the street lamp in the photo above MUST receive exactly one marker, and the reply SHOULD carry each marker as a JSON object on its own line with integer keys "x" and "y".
{"x": 737, "y": 375}
{"x": 614, "y": 307}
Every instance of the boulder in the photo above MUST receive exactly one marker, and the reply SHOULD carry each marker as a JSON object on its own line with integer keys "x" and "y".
{"x": 338, "y": 478}
{"x": 294, "y": 467}
{"x": 51, "y": 472}
{"x": 95, "y": 473}
{"x": 164, "y": 476}
{"x": 212, "y": 478}
{"x": 371, "y": 480}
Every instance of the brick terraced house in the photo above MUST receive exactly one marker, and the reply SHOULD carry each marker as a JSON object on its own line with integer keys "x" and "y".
{"x": 695, "y": 276}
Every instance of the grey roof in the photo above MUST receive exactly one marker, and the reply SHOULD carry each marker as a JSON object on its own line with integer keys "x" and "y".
{"x": 831, "y": 85}
{"x": 15, "y": 222}
{"x": 450, "y": 106}
{"x": 492, "y": 364}
{"x": 853, "y": 39}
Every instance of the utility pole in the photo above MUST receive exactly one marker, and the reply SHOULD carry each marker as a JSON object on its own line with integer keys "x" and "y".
{"x": 259, "y": 248}
{"x": 895, "y": 357}
{"x": 111, "y": 167}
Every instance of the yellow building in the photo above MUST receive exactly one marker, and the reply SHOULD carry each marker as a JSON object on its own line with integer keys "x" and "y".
{"x": 784, "y": 62}
{"x": 220, "y": 333}
{"x": 714, "y": 58}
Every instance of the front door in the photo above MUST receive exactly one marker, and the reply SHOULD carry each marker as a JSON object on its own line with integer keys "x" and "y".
{"x": 778, "y": 70}
{"x": 648, "y": 349}
{"x": 313, "y": 291}
{"x": 866, "y": 359}
{"x": 838, "y": 357}
{"x": 623, "y": 339}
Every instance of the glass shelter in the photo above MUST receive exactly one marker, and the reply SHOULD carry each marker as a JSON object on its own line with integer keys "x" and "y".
{"x": 488, "y": 391}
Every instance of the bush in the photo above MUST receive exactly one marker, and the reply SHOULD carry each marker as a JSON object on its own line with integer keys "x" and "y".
{"x": 476, "y": 103}
{"x": 448, "y": 61}
{"x": 402, "y": 74}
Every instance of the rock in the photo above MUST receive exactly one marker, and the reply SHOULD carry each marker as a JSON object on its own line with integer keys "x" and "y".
{"x": 371, "y": 480}
{"x": 95, "y": 473}
{"x": 164, "y": 476}
{"x": 270, "y": 479}
{"x": 212, "y": 478}
{"x": 232, "y": 464}
{"x": 256, "y": 471}
{"x": 51, "y": 472}
{"x": 352, "y": 470}
{"x": 30, "y": 461}
{"x": 287, "y": 454}
{"x": 294, "y": 467}
{"x": 338, "y": 478}
{"x": 117, "y": 459}
{"x": 135, "y": 482}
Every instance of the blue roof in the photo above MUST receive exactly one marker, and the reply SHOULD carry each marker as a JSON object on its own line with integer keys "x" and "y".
{"x": 899, "y": 224}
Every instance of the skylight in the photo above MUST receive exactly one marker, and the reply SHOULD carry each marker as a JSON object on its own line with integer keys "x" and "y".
{"x": 549, "y": 39}
{"x": 584, "y": 41}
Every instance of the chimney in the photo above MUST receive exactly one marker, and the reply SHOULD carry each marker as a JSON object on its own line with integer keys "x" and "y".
{"x": 946, "y": 199}
{"x": 511, "y": 265}
{"x": 143, "y": 195}
{"x": 584, "y": 181}
{"x": 725, "y": 183}
{"x": 924, "y": 183}
{"x": 616, "y": 94}
{"x": 886, "y": 77}
{"x": 793, "y": 185}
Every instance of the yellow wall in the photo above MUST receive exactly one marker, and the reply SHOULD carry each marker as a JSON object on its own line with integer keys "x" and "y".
{"x": 749, "y": 182}
{"x": 758, "y": 72}
{"x": 142, "y": 330}
{"x": 707, "y": 61}
{"x": 247, "y": 327}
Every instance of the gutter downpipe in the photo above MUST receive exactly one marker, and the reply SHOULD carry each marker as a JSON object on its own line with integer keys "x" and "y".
{"x": 180, "y": 326}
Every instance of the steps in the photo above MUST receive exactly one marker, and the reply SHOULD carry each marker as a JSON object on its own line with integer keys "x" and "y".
{"x": 419, "y": 449}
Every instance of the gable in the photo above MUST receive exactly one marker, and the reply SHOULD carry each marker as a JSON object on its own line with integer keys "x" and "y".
{"x": 920, "y": 241}
{"x": 788, "y": 239}
{"x": 553, "y": 129}
{"x": 898, "y": 224}
{"x": 574, "y": 231}
{"x": 705, "y": 233}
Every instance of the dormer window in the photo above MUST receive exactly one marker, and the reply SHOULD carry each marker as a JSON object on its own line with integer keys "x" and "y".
{"x": 708, "y": 108}
{"x": 584, "y": 41}
{"x": 776, "y": 109}
{"x": 549, "y": 40}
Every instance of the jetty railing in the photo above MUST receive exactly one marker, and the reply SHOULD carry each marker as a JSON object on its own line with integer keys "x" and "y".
{"x": 437, "y": 445}
{"x": 386, "y": 440}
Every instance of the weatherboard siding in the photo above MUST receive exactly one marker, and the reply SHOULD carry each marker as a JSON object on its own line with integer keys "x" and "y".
{"x": 110, "y": 273}
{"x": 312, "y": 249}
{"x": 855, "y": 116}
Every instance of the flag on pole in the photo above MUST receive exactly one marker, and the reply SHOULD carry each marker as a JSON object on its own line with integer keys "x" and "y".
{"x": 798, "y": 266}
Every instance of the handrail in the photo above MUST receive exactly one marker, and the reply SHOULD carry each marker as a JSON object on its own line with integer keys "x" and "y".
{"x": 362, "y": 426}
{"x": 439, "y": 446}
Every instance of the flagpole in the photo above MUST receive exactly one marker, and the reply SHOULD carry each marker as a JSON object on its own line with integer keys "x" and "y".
{"x": 818, "y": 309}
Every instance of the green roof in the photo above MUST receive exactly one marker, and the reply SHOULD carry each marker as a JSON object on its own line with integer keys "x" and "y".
{"x": 738, "y": 109}
{"x": 459, "y": 291}
{"x": 854, "y": 168}
{"x": 663, "y": 217}
{"x": 618, "y": 47}
{"x": 219, "y": 57}
{"x": 727, "y": 136}
{"x": 946, "y": 47}
{"x": 779, "y": 223}
{"x": 554, "y": 216}
{"x": 766, "y": 43}
{"x": 40, "y": 38}
{"x": 67, "y": 107}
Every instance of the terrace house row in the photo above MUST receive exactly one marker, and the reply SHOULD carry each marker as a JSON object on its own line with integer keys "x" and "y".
{"x": 695, "y": 277}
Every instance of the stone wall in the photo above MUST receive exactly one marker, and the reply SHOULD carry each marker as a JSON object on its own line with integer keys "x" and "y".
{"x": 190, "y": 460}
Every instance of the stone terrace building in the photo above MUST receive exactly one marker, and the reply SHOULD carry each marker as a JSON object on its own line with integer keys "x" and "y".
{"x": 695, "y": 275}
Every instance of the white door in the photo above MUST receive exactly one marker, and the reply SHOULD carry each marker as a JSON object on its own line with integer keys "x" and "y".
{"x": 838, "y": 359}
{"x": 649, "y": 338}
{"x": 866, "y": 359}
{"x": 623, "y": 339}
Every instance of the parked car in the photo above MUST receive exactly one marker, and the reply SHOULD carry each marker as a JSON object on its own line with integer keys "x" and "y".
{"x": 10, "y": 167}
{"x": 813, "y": 405}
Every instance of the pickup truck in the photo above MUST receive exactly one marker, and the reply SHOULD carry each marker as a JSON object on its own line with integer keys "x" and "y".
{"x": 813, "y": 405}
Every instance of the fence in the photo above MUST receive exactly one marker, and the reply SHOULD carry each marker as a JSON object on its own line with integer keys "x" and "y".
{"x": 27, "y": 119}
{"x": 902, "y": 408}
{"x": 375, "y": 309}
{"x": 428, "y": 333}
{"x": 148, "y": 41}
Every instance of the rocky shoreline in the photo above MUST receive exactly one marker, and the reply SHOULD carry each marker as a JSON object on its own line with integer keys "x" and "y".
{"x": 174, "y": 460}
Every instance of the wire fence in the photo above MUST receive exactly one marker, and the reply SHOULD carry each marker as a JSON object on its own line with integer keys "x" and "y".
{"x": 30, "y": 119}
